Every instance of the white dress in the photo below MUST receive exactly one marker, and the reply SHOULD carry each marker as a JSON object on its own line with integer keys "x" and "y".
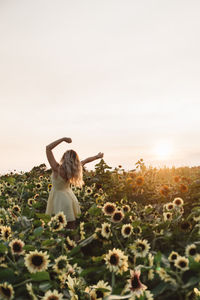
{"x": 62, "y": 198}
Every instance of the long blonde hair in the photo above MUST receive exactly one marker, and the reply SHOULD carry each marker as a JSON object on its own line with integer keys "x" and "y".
{"x": 72, "y": 167}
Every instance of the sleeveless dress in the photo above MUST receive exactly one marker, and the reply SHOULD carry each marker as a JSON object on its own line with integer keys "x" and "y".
{"x": 62, "y": 198}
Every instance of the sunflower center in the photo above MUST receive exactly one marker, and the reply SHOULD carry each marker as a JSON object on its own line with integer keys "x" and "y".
{"x": 182, "y": 264}
{"x": 140, "y": 247}
{"x": 185, "y": 225}
{"x": 60, "y": 218}
{"x": 107, "y": 229}
{"x": 117, "y": 216}
{"x": 174, "y": 256}
{"x": 6, "y": 234}
{"x": 135, "y": 282}
{"x": 6, "y": 291}
{"x": 109, "y": 209}
{"x": 61, "y": 264}
{"x": 37, "y": 260}
{"x": 127, "y": 230}
{"x": 53, "y": 298}
{"x": 99, "y": 294}
{"x": 114, "y": 259}
{"x": 17, "y": 247}
{"x": 192, "y": 251}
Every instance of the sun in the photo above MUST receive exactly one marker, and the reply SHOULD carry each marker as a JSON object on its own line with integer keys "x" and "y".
{"x": 163, "y": 149}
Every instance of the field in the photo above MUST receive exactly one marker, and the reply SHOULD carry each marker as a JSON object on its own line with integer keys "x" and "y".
{"x": 137, "y": 236}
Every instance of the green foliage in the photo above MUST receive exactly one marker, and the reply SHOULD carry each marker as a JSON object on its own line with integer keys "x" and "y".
{"x": 142, "y": 195}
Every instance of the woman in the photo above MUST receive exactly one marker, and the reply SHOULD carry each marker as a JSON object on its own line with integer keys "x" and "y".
{"x": 65, "y": 173}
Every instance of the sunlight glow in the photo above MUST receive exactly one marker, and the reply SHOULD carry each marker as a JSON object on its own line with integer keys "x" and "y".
{"x": 163, "y": 150}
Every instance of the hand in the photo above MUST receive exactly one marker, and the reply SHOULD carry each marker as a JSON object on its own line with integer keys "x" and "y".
{"x": 68, "y": 140}
{"x": 100, "y": 155}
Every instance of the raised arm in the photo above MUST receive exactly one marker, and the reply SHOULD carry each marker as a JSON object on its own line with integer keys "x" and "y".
{"x": 51, "y": 159}
{"x": 92, "y": 158}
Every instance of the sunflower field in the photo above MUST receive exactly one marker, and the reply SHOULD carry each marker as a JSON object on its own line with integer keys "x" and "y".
{"x": 137, "y": 238}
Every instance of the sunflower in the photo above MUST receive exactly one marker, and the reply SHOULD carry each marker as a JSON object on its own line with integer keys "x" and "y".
{"x": 101, "y": 290}
{"x": 16, "y": 209}
{"x": 61, "y": 218}
{"x": 126, "y": 208}
{"x": 7, "y": 184}
{"x": 135, "y": 284}
{"x": 69, "y": 244}
{"x": 96, "y": 195}
{"x": 61, "y": 264}
{"x": 191, "y": 250}
{"x": 31, "y": 201}
{"x": 49, "y": 187}
{"x": 183, "y": 188}
{"x": 182, "y": 263}
{"x": 197, "y": 258}
{"x": 55, "y": 225}
{"x": 38, "y": 185}
{"x": 170, "y": 206}
{"x": 129, "y": 180}
{"x": 185, "y": 226}
{"x": 167, "y": 216}
{"x": 116, "y": 261}
{"x": 88, "y": 191}
{"x": 6, "y": 291}
{"x": 140, "y": 248}
{"x": 137, "y": 230}
{"x": 173, "y": 256}
{"x": 6, "y": 233}
{"x": 197, "y": 292}
{"x": 117, "y": 216}
{"x": 29, "y": 288}
{"x": 16, "y": 246}
{"x": 165, "y": 276}
{"x": 196, "y": 218}
{"x": 36, "y": 261}
{"x": 178, "y": 201}
{"x": 150, "y": 259}
{"x": 127, "y": 230}
{"x": 49, "y": 295}
{"x": 105, "y": 230}
{"x": 109, "y": 208}
{"x": 139, "y": 180}
{"x": 36, "y": 196}
{"x": 164, "y": 191}
{"x": 177, "y": 179}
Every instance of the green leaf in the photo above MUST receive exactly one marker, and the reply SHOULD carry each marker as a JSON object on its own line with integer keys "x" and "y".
{"x": 44, "y": 217}
{"x": 7, "y": 275}
{"x": 49, "y": 242}
{"x": 11, "y": 180}
{"x": 158, "y": 257}
{"x": 38, "y": 231}
{"x": 29, "y": 247}
{"x": 74, "y": 251}
{"x": 40, "y": 276}
{"x": 44, "y": 286}
{"x": 160, "y": 288}
{"x": 3, "y": 248}
{"x": 94, "y": 210}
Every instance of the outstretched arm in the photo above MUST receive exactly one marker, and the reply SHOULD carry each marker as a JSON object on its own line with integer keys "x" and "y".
{"x": 51, "y": 159}
{"x": 92, "y": 158}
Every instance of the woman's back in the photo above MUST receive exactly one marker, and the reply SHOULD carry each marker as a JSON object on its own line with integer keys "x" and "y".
{"x": 62, "y": 198}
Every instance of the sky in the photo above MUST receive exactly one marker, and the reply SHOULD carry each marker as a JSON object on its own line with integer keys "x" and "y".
{"x": 117, "y": 76}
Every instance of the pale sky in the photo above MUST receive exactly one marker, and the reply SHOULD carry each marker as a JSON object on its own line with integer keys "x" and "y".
{"x": 116, "y": 76}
